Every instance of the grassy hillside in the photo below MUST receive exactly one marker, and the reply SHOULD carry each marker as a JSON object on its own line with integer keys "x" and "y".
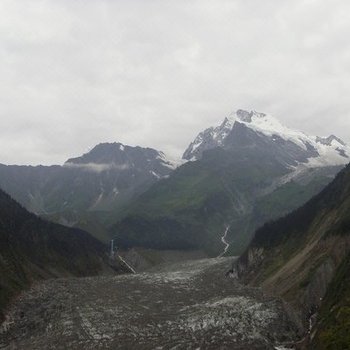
{"x": 33, "y": 249}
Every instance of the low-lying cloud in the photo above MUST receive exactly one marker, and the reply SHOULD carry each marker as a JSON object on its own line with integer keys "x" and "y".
{"x": 97, "y": 168}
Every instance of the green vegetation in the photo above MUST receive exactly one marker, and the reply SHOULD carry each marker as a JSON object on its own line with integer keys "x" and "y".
{"x": 292, "y": 228}
{"x": 321, "y": 230}
{"x": 333, "y": 331}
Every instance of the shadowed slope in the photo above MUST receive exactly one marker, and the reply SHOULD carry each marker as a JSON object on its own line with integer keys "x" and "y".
{"x": 32, "y": 249}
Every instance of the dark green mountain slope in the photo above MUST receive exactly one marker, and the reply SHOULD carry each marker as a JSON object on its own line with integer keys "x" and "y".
{"x": 304, "y": 257}
{"x": 241, "y": 187}
{"x": 33, "y": 249}
{"x": 333, "y": 328}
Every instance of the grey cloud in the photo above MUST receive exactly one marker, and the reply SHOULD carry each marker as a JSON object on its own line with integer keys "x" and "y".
{"x": 154, "y": 73}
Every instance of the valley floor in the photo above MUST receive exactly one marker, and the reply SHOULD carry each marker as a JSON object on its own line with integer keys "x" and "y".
{"x": 188, "y": 305}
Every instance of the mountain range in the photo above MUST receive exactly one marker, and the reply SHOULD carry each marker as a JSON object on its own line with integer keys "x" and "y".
{"x": 85, "y": 190}
{"x": 250, "y": 186}
{"x": 246, "y": 171}
{"x": 238, "y": 175}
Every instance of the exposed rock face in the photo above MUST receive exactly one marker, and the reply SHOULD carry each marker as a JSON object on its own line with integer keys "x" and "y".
{"x": 208, "y": 139}
{"x": 329, "y": 140}
{"x": 249, "y": 262}
{"x": 245, "y": 116}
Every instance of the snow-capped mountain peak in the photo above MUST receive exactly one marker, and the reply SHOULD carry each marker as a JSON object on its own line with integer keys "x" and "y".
{"x": 312, "y": 151}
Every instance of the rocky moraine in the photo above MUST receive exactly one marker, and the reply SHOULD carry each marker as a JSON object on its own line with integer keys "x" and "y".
{"x": 187, "y": 305}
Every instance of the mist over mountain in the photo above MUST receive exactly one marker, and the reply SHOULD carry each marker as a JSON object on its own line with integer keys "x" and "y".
{"x": 84, "y": 190}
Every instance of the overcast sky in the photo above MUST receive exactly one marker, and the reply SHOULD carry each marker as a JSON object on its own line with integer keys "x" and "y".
{"x": 74, "y": 73}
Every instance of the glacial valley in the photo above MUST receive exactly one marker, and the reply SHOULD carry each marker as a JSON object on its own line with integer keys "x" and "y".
{"x": 186, "y": 305}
